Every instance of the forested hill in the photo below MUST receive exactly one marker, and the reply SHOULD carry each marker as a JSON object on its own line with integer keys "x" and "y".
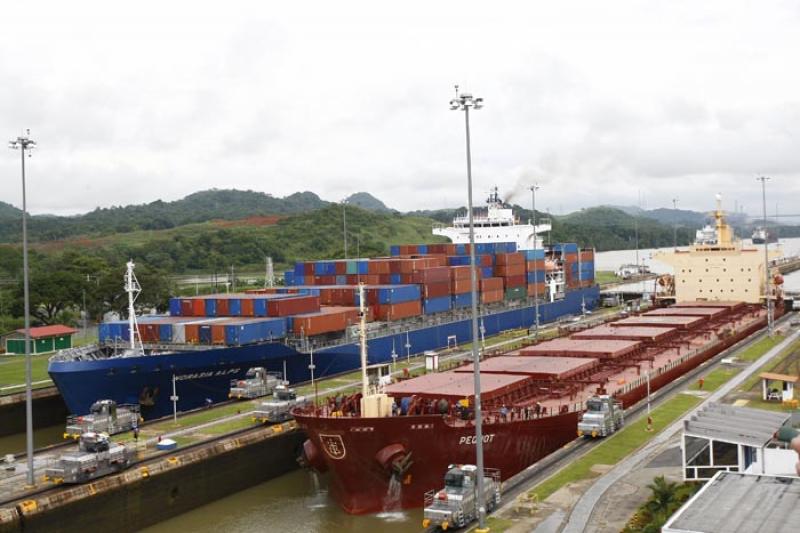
{"x": 198, "y": 207}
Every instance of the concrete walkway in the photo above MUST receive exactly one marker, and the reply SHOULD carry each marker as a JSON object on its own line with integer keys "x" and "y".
{"x": 582, "y": 512}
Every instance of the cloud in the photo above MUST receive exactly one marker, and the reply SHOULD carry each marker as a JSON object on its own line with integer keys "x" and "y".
{"x": 595, "y": 102}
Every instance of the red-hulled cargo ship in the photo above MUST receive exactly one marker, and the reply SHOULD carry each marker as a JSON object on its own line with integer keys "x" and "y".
{"x": 532, "y": 399}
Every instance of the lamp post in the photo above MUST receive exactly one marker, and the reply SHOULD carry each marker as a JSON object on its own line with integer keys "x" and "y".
{"x": 763, "y": 180}
{"x": 344, "y": 225}
{"x": 534, "y": 188}
{"x": 463, "y": 102}
{"x": 23, "y": 144}
{"x": 675, "y": 224}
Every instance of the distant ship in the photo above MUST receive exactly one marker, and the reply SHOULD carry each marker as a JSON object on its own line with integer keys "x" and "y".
{"x": 762, "y": 235}
{"x": 206, "y": 342}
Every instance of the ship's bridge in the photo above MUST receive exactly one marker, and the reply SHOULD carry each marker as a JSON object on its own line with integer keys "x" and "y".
{"x": 496, "y": 224}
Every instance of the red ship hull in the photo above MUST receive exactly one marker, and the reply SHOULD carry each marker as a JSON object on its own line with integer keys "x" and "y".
{"x": 362, "y": 453}
{"x": 360, "y": 482}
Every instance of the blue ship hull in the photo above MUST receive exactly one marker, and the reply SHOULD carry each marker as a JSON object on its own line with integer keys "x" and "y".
{"x": 205, "y": 375}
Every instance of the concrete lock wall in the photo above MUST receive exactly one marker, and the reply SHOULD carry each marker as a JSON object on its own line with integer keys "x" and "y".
{"x": 48, "y": 410}
{"x": 132, "y": 501}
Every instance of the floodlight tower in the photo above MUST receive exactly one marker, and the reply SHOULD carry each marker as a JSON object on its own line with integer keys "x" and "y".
{"x": 464, "y": 102}
{"x": 24, "y": 143}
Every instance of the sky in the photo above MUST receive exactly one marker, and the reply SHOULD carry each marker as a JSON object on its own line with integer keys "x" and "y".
{"x": 619, "y": 103}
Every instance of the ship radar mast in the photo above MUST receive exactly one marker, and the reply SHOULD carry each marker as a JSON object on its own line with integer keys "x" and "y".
{"x": 133, "y": 289}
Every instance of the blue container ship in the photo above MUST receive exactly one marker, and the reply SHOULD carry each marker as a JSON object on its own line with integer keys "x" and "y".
{"x": 201, "y": 346}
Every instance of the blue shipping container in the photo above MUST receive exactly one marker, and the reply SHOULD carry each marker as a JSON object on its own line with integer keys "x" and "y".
{"x": 363, "y": 267}
{"x": 398, "y": 294}
{"x": 533, "y": 255}
{"x": 289, "y": 277}
{"x": 235, "y": 307}
{"x": 394, "y": 278}
{"x": 458, "y": 260}
{"x": 394, "y": 250}
{"x": 299, "y": 269}
{"x": 536, "y": 277}
{"x": 461, "y": 249}
{"x": 462, "y": 300}
{"x": 205, "y": 334}
{"x": 175, "y": 306}
{"x": 260, "y": 306}
{"x": 211, "y": 306}
{"x": 422, "y": 248}
{"x": 165, "y": 332}
{"x": 487, "y": 272}
{"x": 341, "y": 280}
{"x": 436, "y": 305}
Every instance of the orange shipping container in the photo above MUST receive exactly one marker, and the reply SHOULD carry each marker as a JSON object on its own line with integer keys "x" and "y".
{"x": 537, "y": 289}
{"x": 247, "y": 307}
{"x": 461, "y": 286}
{"x": 218, "y": 333}
{"x": 491, "y": 284}
{"x": 491, "y": 297}
{"x": 515, "y": 258}
{"x": 510, "y": 270}
{"x": 198, "y": 307}
{"x": 537, "y": 265}
{"x": 399, "y": 310}
{"x": 192, "y": 333}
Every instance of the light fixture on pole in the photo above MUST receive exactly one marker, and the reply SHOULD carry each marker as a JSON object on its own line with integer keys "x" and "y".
{"x": 763, "y": 180}
{"x": 344, "y": 225}
{"x": 24, "y": 143}
{"x": 534, "y": 188}
{"x": 675, "y": 223}
{"x": 463, "y": 102}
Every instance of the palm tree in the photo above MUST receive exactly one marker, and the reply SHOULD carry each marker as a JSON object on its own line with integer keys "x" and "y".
{"x": 664, "y": 492}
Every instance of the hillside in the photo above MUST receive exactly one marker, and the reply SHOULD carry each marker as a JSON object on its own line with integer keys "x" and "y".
{"x": 365, "y": 200}
{"x": 198, "y": 207}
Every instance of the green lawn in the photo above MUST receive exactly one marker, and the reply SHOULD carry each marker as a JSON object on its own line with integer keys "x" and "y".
{"x": 498, "y": 525}
{"x": 714, "y": 379}
{"x": 754, "y": 381}
{"x": 605, "y": 276}
{"x": 12, "y": 369}
{"x": 618, "y": 446}
{"x": 759, "y": 348}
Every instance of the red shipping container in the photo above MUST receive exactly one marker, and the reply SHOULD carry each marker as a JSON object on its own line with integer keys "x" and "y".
{"x": 515, "y": 258}
{"x": 491, "y": 284}
{"x": 434, "y": 290}
{"x": 198, "y": 307}
{"x": 398, "y": 311}
{"x": 537, "y": 289}
{"x": 491, "y": 296}
{"x": 318, "y": 323}
{"x": 186, "y": 307}
{"x": 460, "y": 272}
{"x": 514, "y": 281}
{"x": 510, "y": 270}
{"x": 385, "y": 279}
{"x": 571, "y": 258}
{"x": 308, "y": 269}
{"x": 341, "y": 268}
{"x": 149, "y": 332}
{"x": 587, "y": 255}
{"x": 223, "y": 307}
{"x": 293, "y": 306}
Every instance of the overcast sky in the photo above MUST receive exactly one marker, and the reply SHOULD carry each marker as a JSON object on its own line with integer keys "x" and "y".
{"x": 600, "y": 102}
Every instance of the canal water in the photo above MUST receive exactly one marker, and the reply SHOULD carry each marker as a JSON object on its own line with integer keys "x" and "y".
{"x": 296, "y": 502}
{"x": 41, "y": 437}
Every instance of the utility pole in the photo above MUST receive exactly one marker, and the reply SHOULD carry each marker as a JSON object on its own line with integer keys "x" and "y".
{"x": 24, "y": 143}
{"x": 463, "y": 102}
{"x": 534, "y": 188}
{"x": 763, "y": 180}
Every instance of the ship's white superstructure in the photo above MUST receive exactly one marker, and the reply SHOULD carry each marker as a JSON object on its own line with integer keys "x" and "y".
{"x": 496, "y": 224}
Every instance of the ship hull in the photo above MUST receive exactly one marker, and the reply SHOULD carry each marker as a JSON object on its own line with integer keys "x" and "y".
{"x": 360, "y": 482}
{"x": 205, "y": 374}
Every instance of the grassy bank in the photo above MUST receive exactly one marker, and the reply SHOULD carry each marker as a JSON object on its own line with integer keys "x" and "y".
{"x": 618, "y": 446}
{"x": 12, "y": 370}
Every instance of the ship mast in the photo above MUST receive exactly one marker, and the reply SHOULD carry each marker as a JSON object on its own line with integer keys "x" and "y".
{"x": 362, "y": 337}
{"x": 133, "y": 289}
